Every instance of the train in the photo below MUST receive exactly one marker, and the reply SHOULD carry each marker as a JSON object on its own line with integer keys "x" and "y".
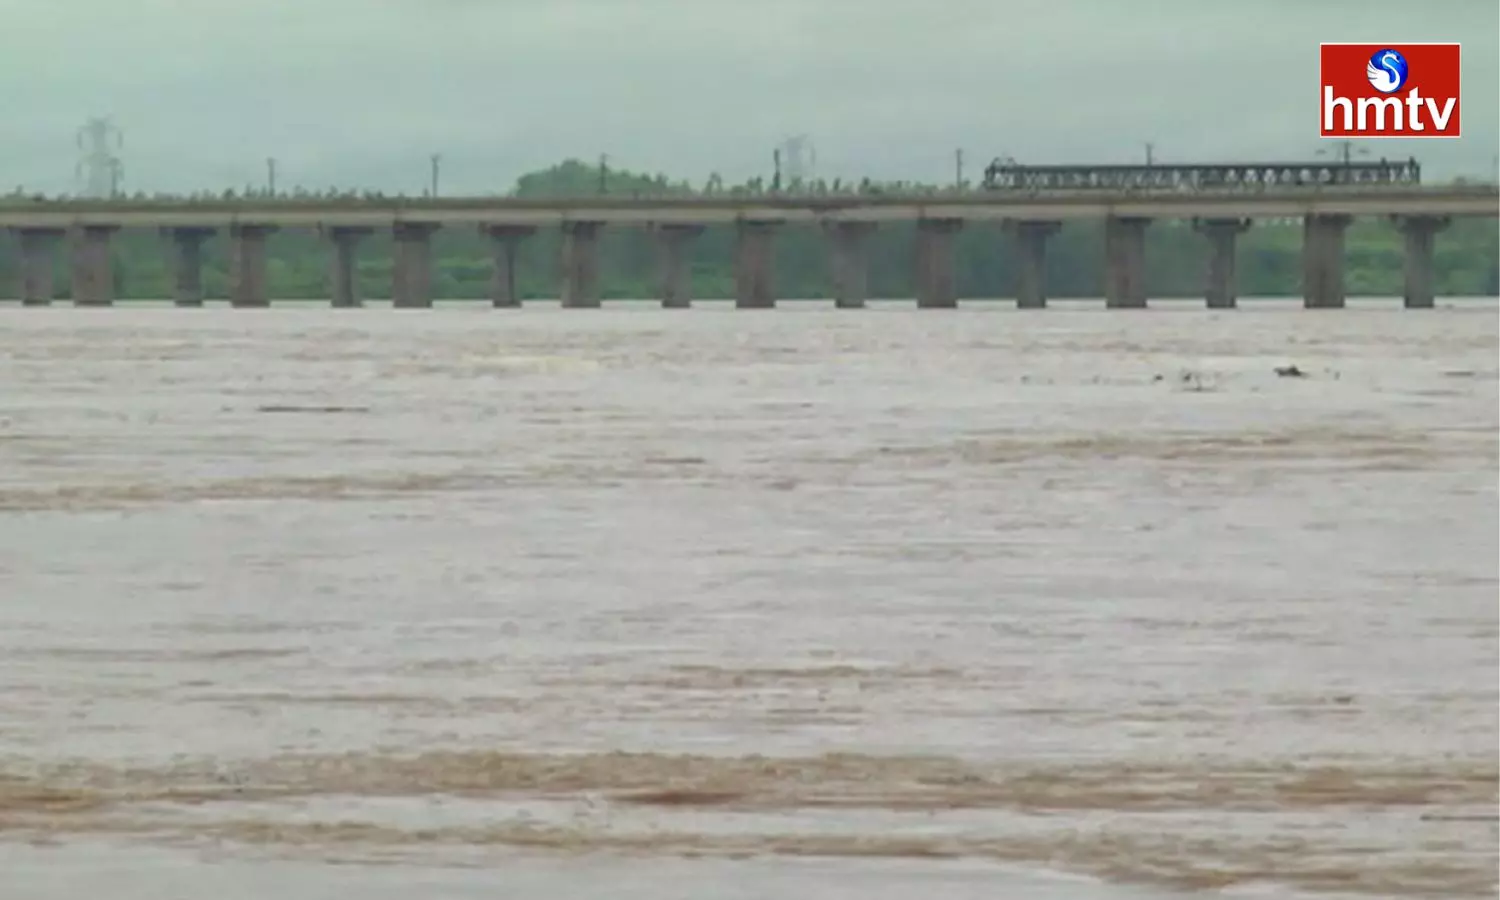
{"x": 1005, "y": 174}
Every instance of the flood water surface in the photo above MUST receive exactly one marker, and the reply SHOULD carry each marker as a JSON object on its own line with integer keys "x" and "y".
{"x": 629, "y": 603}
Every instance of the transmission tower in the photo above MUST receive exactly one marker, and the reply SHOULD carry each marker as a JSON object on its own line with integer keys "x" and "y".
{"x": 799, "y": 159}
{"x": 1346, "y": 152}
{"x": 100, "y": 171}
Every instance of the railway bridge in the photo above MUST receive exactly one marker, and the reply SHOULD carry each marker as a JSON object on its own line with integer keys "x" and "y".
{"x": 1029, "y": 212}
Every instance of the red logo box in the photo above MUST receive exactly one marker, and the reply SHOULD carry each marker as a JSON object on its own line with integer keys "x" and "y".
{"x": 1389, "y": 90}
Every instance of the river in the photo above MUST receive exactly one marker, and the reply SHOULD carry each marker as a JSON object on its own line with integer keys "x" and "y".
{"x": 719, "y": 604}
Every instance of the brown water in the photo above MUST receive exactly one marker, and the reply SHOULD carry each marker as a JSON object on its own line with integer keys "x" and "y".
{"x": 715, "y": 604}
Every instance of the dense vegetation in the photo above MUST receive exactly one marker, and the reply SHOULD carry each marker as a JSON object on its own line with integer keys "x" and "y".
{"x": 1467, "y": 258}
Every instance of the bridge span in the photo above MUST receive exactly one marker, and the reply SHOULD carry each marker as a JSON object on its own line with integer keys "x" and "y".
{"x": 1029, "y": 216}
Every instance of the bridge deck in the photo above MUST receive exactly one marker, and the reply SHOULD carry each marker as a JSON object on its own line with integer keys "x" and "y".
{"x": 1363, "y": 200}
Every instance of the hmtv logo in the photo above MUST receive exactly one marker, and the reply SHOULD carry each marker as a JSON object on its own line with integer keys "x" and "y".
{"x": 1390, "y": 90}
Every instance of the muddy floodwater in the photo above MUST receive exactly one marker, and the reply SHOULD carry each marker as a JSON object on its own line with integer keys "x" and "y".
{"x": 718, "y": 604}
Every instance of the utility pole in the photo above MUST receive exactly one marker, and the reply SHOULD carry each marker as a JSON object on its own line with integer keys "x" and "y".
{"x": 1150, "y": 153}
{"x": 1347, "y": 150}
{"x": 958, "y": 168}
{"x": 603, "y": 173}
{"x": 437, "y": 162}
{"x": 271, "y": 175}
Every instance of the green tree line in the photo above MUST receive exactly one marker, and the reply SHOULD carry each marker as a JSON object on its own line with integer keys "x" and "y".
{"x": 1467, "y": 259}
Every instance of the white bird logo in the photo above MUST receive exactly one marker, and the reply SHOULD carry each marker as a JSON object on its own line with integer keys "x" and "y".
{"x": 1385, "y": 77}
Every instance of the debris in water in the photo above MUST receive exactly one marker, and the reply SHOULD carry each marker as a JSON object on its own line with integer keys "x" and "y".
{"x": 1196, "y": 382}
{"x": 312, "y": 409}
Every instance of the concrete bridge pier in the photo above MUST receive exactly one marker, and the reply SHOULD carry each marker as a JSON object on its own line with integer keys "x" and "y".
{"x": 1323, "y": 261}
{"x": 505, "y": 247}
{"x": 755, "y": 265}
{"x": 1031, "y": 262}
{"x": 93, "y": 269}
{"x": 937, "y": 287}
{"x": 1419, "y": 234}
{"x": 187, "y": 263}
{"x": 674, "y": 244}
{"x": 580, "y": 265}
{"x": 1125, "y": 262}
{"x": 343, "y": 267}
{"x": 849, "y": 265}
{"x": 248, "y": 288}
{"x": 411, "y": 270}
{"x": 38, "y": 252}
{"x": 1222, "y": 234}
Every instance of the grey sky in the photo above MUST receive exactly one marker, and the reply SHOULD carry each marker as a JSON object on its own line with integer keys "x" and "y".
{"x": 359, "y": 92}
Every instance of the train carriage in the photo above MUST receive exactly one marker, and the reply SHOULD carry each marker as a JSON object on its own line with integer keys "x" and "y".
{"x": 1006, "y": 174}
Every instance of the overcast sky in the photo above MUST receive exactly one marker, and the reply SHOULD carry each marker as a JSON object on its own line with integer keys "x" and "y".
{"x": 360, "y": 92}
